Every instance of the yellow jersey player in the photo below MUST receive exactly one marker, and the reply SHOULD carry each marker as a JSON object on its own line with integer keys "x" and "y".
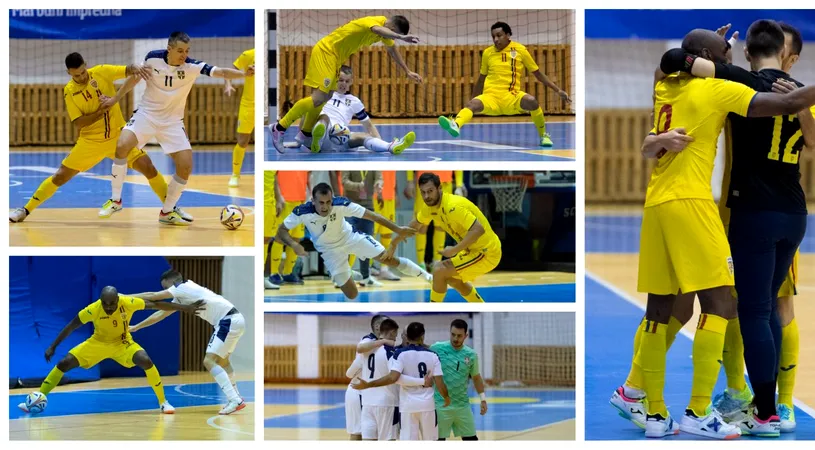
{"x": 92, "y": 104}
{"x": 680, "y": 213}
{"x": 246, "y": 114}
{"x": 273, "y": 204}
{"x": 412, "y": 192}
{"x": 478, "y": 249}
{"x": 328, "y": 55}
{"x": 111, "y": 339}
{"x": 497, "y": 91}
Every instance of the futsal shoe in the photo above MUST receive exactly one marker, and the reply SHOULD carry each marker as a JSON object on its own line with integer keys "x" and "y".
{"x": 109, "y": 208}
{"x": 370, "y": 282}
{"x": 633, "y": 409}
{"x": 234, "y": 180}
{"x": 449, "y": 124}
{"x": 732, "y": 405}
{"x": 386, "y": 274}
{"x": 184, "y": 215}
{"x": 172, "y": 218}
{"x": 317, "y": 134}
{"x": 292, "y": 279}
{"x": 787, "y": 416}
{"x": 277, "y": 138}
{"x": 267, "y": 284}
{"x": 233, "y": 405}
{"x": 276, "y": 279}
{"x": 23, "y": 407}
{"x": 711, "y": 425}
{"x": 399, "y": 145}
{"x": 546, "y": 141}
{"x": 18, "y": 215}
{"x": 752, "y": 425}
{"x": 657, "y": 426}
{"x": 167, "y": 408}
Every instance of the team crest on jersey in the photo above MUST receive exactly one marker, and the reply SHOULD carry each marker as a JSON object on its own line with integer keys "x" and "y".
{"x": 94, "y": 84}
{"x": 332, "y": 217}
{"x": 466, "y": 360}
{"x": 348, "y": 102}
{"x": 181, "y": 74}
{"x": 326, "y": 82}
{"x": 730, "y": 264}
{"x": 513, "y": 54}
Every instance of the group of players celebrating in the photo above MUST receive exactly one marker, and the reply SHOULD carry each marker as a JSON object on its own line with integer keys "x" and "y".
{"x": 327, "y": 218}
{"x": 327, "y": 113}
{"x": 412, "y": 391}
{"x": 686, "y": 242}
{"x": 92, "y": 103}
{"x": 111, "y": 318}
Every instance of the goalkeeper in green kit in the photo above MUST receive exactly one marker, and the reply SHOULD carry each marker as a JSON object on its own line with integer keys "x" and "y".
{"x": 459, "y": 363}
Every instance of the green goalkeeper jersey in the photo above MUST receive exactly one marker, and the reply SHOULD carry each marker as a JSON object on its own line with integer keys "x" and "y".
{"x": 458, "y": 367}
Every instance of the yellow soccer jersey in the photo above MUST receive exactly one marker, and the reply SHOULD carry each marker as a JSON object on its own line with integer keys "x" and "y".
{"x": 114, "y": 327}
{"x": 505, "y": 68}
{"x": 81, "y": 100}
{"x": 351, "y": 37}
{"x": 243, "y": 62}
{"x": 700, "y": 106}
{"x": 456, "y": 215}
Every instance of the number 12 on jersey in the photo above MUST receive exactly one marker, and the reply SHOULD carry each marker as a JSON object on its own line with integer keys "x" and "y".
{"x": 790, "y": 154}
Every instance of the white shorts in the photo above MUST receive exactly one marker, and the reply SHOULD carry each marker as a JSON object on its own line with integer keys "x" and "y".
{"x": 380, "y": 422}
{"x": 353, "y": 411}
{"x": 226, "y": 335}
{"x": 359, "y": 244}
{"x": 419, "y": 426}
{"x": 171, "y": 136}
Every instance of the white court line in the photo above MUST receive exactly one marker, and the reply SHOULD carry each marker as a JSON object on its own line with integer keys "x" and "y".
{"x": 625, "y": 296}
{"x": 211, "y": 422}
{"x": 542, "y": 427}
{"x": 179, "y": 387}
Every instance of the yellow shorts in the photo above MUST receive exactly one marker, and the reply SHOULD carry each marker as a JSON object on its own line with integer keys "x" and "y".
{"x": 472, "y": 264}
{"x": 683, "y": 246}
{"x": 446, "y": 188}
{"x": 388, "y": 211}
{"x": 269, "y": 205}
{"x": 323, "y": 70}
{"x": 246, "y": 119}
{"x": 299, "y": 232}
{"x": 93, "y": 351}
{"x": 87, "y": 154}
{"x": 507, "y": 104}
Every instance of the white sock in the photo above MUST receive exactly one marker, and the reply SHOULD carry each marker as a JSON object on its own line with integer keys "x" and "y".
{"x": 409, "y": 267}
{"x": 174, "y": 190}
{"x": 223, "y": 381}
{"x": 376, "y": 145}
{"x": 231, "y": 374}
{"x": 118, "y": 172}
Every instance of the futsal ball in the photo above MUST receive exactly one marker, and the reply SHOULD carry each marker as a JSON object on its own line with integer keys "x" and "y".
{"x": 36, "y": 402}
{"x": 231, "y": 217}
{"x": 339, "y": 134}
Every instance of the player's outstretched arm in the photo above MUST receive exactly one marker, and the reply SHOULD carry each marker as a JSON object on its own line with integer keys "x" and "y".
{"x": 169, "y": 306}
{"x": 381, "y": 220}
{"x": 397, "y": 57}
{"x": 551, "y": 85}
{"x": 231, "y": 74}
{"x": 284, "y": 237}
{"x": 413, "y": 225}
{"x": 767, "y": 105}
{"x": 153, "y": 296}
{"x": 387, "y": 380}
{"x": 368, "y": 346}
{"x": 154, "y": 318}
{"x": 442, "y": 388}
{"x": 387, "y": 33}
{"x": 66, "y": 331}
{"x": 805, "y": 117}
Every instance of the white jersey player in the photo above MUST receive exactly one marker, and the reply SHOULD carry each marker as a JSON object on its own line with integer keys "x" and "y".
{"x": 380, "y": 405}
{"x": 324, "y": 218}
{"x": 160, "y": 116}
{"x": 353, "y": 398}
{"x": 410, "y": 364}
{"x": 228, "y": 322}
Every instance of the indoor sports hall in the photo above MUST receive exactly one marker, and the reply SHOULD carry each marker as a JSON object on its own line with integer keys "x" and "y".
{"x": 108, "y": 402}
{"x": 448, "y": 57}
{"x": 42, "y": 135}
{"x": 527, "y": 361}
{"x": 532, "y": 214}
{"x": 617, "y": 111}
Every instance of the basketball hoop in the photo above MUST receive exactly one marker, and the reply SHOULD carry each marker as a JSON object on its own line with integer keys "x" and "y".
{"x": 509, "y": 192}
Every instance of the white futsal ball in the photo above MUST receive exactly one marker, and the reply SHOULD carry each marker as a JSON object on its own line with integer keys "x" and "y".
{"x": 36, "y": 402}
{"x": 231, "y": 217}
{"x": 339, "y": 134}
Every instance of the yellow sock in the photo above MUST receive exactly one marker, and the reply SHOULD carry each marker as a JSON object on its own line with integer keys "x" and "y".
{"x": 385, "y": 240}
{"x": 421, "y": 247}
{"x": 277, "y": 255}
{"x": 788, "y": 362}
{"x": 298, "y": 110}
{"x": 237, "y": 159}
{"x": 473, "y": 297}
{"x": 635, "y": 379}
{"x": 155, "y": 382}
{"x": 464, "y": 116}
{"x": 159, "y": 186}
{"x": 437, "y": 297}
{"x": 438, "y": 244}
{"x": 707, "y": 353}
{"x": 51, "y": 381}
{"x": 291, "y": 259}
{"x": 351, "y": 260}
{"x": 539, "y": 121}
{"x": 673, "y": 329}
{"x": 651, "y": 357}
{"x": 733, "y": 356}
{"x": 43, "y": 193}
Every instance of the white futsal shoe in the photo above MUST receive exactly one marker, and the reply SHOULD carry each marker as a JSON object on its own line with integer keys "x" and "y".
{"x": 370, "y": 282}
{"x": 167, "y": 408}
{"x": 632, "y": 409}
{"x": 23, "y": 407}
{"x": 172, "y": 218}
{"x": 233, "y": 405}
{"x": 277, "y": 138}
{"x": 711, "y": 425}
{"x": 234, "y": 181}
{"x": 753, "y": 426}
{"x": 18, "y": 215}
{"x": 109, "y": 208}
{"x": 658, "y": 427}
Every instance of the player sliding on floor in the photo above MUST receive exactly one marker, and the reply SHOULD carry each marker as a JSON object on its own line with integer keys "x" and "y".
{"x": 111, "y": 338}
{"x": 335, "y": 118}
{"x": 333, "y": 51}
{"x": 332, "y": 235}
{"x": 497, "y": 92}
{"x": 229, "y": 326}
{"x": 161, "y": 116}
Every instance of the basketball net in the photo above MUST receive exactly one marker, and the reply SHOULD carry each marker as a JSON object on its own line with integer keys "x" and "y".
{"x": 509, "y": 192}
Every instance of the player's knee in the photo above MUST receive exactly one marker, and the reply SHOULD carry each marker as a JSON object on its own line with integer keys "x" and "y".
{"x": 144, "y": 165}
{"x": 142, "y": 360}
{"x": 529, "y": 103}
{"x": 67, "y": 363}
{"x": 62, "y": 175}
{"x": 210, "y": 361}
{"x": 243, "y": 139}
{"x": 786, "y": 312}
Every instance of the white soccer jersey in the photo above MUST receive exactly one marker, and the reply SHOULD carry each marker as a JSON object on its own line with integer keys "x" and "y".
{"x": 329, "y": 232}
{"x": 215, "y": 307}
{"x": 375, "y": 365}
{"x": 342, "y": 108}
{"x": 165, "y": 96}
{"x": 417, "y": 362}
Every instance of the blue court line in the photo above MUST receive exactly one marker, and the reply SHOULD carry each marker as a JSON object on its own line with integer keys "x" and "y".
{"x": 546, "y": 407}
{"x": 128, "y": 399}
{"x": 480, "y": 141}
{"x": 535, "y": 293}
{"x": 611, "y": 322}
